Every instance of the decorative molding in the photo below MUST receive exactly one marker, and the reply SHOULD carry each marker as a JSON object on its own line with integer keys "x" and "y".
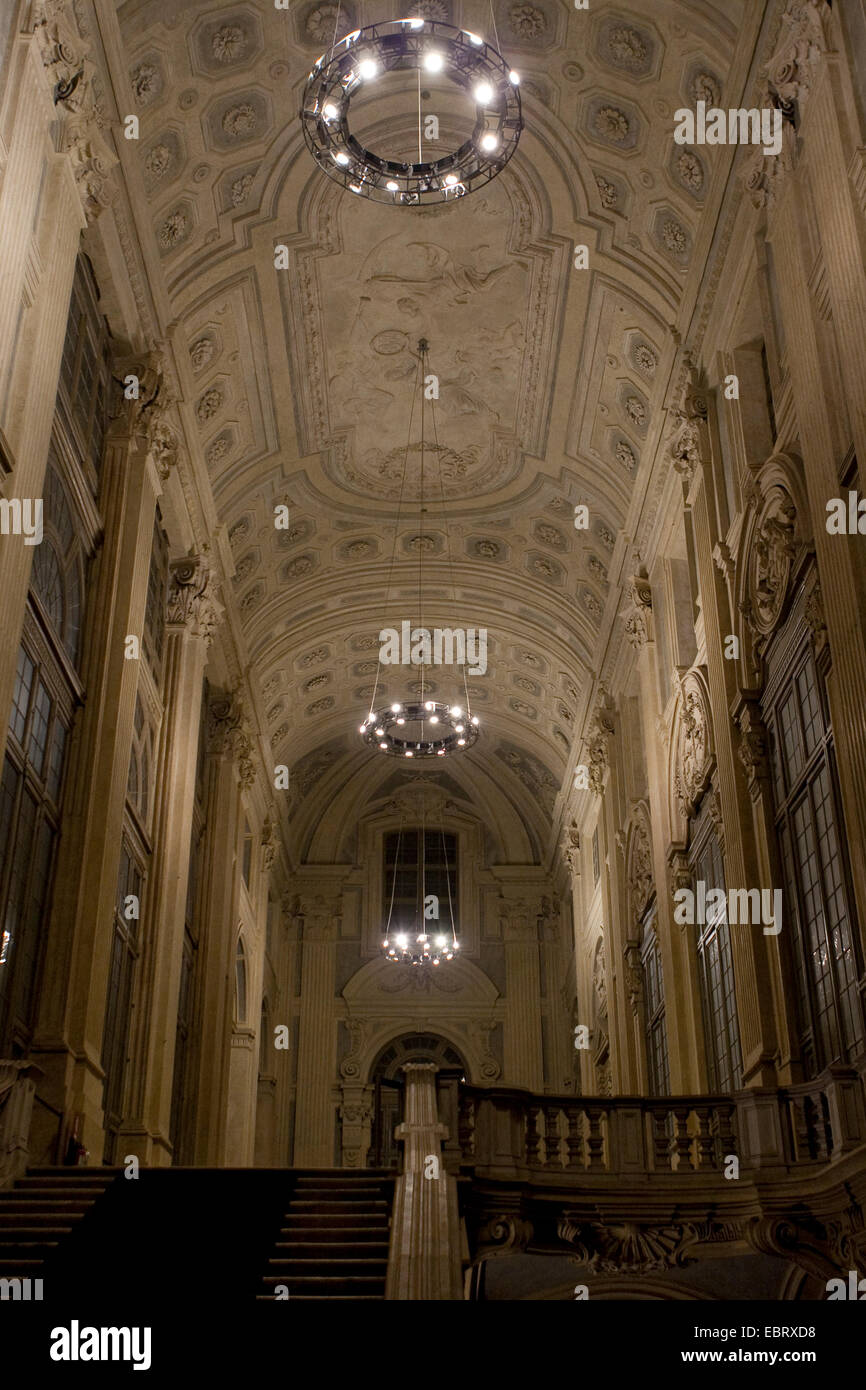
{"x": 70, "y": 73}
{"x": 627, "y": 1247}
{"x": 694, "y": 754}
{"x": 191, "y": 603}
{"x": 689, "y": 443}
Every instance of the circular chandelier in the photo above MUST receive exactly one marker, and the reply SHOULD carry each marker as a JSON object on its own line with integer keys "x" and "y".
{"x": 426, "y": 729}
{"x": 355, "y": 62}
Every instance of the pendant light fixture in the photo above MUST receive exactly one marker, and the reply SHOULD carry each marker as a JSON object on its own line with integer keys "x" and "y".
{"x": 352, "y": 67}
{"x": 409, "y": 727}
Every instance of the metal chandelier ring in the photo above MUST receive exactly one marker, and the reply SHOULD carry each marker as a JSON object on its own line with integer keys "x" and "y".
{"x": 412, "y": 44}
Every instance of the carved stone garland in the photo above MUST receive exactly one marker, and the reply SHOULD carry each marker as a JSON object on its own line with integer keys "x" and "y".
{"x": 694, "y": 758}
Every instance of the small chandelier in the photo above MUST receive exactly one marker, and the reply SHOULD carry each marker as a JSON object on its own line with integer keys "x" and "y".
{"x": 411, "y": 943}
{"x": 355, "y": 62}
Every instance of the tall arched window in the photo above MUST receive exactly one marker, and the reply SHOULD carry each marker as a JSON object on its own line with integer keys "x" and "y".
{"x": 658, "y": 1065}
{"x": 808, "y": 820}
{"x": 240, "y": 982}
{"x": 715, "y": 961}
{"x": 406, "y": 853}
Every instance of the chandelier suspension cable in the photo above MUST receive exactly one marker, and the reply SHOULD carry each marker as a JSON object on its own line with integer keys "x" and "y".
{"x": 423, "y": 353}
{"x": 493, "y": 19}
{"x": 423, "y": 860}
{"x": 447, "y": 878}
{"x": 438, "y": 454}
{"x": 420, "y": 151}
{"x": 394, "y": 876}
{"x": 419, "y": 369}
{"x": 337, "y": 25}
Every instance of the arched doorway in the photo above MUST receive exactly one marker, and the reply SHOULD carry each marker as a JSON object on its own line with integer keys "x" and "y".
{"x": 386, "y": 1076}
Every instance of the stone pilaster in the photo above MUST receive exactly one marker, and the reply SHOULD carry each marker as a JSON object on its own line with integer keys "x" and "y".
{"x": 220, "y": 905}
{"x": 524, "y": 1064}
{"x": 314, "y": 1116}
{"x": 192, "y": 615}
{"x": 68, "y": 1036}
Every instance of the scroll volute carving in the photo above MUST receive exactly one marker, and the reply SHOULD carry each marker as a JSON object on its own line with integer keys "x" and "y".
{"x": 639, "y": 865}
{"x": 692, "y": 748}
{"x": 773, "y": 540}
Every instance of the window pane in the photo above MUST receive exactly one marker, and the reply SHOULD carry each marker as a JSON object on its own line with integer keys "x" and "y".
{"x": 21, "y": 697}
{"x": 55, "y": 761}
{"x": 38, "y": 741}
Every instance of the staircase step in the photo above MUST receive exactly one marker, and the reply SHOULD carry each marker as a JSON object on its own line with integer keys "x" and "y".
{"x": 26, "y": 1266}
{"x": 306, "y": 1248}
{"x": 27, "y": 1216}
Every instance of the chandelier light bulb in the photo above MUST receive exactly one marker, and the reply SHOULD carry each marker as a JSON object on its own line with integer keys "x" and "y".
{"x": 341, "y": 158}
{"x": 402, "y": 941}
{"x": 329, "y": 111}
{"x": 392, "y": 187}
{"x": 429, "y": 704}
{"x": 461, "y": 742}
{"x": 440, "y": 752}
{"x": 380, "y": 733}
{"x": 440, "y": 941}
{"x": 450, "y": 180}
{"x": 368, "y": 69}
{"x": 475, "y": 719}
{"x": 459, "y": 728}
{"x": 483, "y": 93}
{"x": 433, "y": 61}
{"x": 514, "y": 78}
{"x": 489, "y": 142}
{"x": 384, "y": 747}
{"x": 401, "y": 720}
{"x": 434, "y": 719}
{"x": 473, "y": 38}
{"x": 416, "y": 24}
{"x": 456, "y": 711}
{"x": 409, "y": 753}
{"x": 395, "y": 709}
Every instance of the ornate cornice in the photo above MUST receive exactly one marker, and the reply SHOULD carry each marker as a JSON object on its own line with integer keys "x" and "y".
{"x": 69, "y": 70}
{"x": 787, "y": 80}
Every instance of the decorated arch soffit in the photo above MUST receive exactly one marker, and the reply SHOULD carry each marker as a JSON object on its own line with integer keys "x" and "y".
{"x": 295, "y": 383}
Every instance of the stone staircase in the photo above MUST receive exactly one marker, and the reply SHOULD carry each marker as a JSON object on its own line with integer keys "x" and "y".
{"x": 42, "y": 1211}
{"x": 334, "y": 1240}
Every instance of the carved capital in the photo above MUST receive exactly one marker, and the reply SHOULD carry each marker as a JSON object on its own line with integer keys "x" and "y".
{"x": 633, "y": 975}
{"x": 69, "y": 71}
{"x": 571, "y": 848}
{"x": 191, "y": 603}
{"x": 815, "y": 617}
{"x": 320, "y": 915}
{"x": 752, "y": 749}
{"x": 600, "y": 732}
{"x": 269, "y": 845}
{"x": 639, "y": 617}
{"x": 226, "y": 734}
{"x": 689, "y": 443}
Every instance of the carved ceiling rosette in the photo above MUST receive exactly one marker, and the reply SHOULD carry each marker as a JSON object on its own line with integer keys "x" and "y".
{"x": 627, "y": 1247}
{"x": 694, "y": 753}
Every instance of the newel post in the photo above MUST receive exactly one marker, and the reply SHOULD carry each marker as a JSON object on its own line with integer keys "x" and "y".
{"x": 424, "y": 1258}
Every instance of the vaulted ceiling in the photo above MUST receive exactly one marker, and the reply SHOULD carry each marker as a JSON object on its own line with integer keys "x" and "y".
{"x": 297, "y": 382}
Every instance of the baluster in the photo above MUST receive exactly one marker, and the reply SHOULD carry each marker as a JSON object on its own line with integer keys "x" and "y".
{"x": 595, "y": 1138}
{"x": 822, "y": 1127}
{"x": 681, "y": 1144}
{"x": 574, "y": 1143}
{"x": 551, "y": 1137}
{"x": 661, "y": 1150}
{"x": 704, "y": 1147}
{"x": 466, "y": 1126}
{"x": 533, "y": 1138}
{"x": 800, "y": 1125}
{"x": 724, "y": 1133}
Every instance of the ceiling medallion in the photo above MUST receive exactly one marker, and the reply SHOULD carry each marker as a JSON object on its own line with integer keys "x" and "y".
{"x": 360, "y": 59}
